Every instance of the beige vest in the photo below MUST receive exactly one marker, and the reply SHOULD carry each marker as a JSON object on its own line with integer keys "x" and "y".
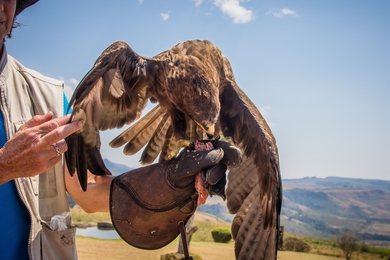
{"x": 25, "y": 93}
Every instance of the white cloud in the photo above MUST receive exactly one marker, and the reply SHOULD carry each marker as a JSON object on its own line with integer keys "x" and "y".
{"x": 234, "y": 10}
{"x": 140, "y": 1}
{"x": 74, "y": 82}
{"x": 283, "y": 12}
{"x": 164, "y": 16}
{"x": 198, "y": 2}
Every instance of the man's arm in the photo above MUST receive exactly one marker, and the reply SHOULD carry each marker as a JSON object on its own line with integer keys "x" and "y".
{"x": 96, "y": 198}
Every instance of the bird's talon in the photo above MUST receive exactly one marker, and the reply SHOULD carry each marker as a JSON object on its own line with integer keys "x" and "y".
{"x": 184, "y": 143}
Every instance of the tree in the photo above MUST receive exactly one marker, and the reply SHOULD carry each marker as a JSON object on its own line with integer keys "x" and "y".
{"x": 348, "y": 243}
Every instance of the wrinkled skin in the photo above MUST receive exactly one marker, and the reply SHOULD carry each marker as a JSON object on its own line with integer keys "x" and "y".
{"x": 30, "y": 151}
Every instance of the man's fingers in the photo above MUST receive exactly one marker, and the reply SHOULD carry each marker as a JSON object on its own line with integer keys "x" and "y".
{"x": 61, "y": 132}
{"x": 53, "y": 124}
{"x": 46, "y": 123}
{"x": 51, "y": 132}
{"x": 53, "y": 161}
{"x": 59, "y": 148}
{"x": 37, "y": 120}
{"x": 63, "y": 120}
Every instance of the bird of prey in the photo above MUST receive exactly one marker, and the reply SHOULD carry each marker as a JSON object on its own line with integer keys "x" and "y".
{"x": 197, "y": 96}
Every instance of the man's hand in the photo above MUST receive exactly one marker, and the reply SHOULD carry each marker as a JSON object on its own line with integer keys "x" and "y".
{"x": 33, "y": 149}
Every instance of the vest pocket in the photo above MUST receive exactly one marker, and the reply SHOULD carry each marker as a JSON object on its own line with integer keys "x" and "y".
{"x": 58, "y": 244}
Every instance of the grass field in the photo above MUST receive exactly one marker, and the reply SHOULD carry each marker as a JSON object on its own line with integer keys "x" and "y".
{"x": 202, "y": 244}
{"x": 97, "y": 249}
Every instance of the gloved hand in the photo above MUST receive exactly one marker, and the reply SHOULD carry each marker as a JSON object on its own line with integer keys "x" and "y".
{"x": 214, "y": 178}
{"x": 148, "y": 204}
{"x": 183, "y": 168}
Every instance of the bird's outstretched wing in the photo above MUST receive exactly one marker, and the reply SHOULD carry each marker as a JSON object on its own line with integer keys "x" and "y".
{"x": 112, "y": 94}
{"x": 254, "y": 191}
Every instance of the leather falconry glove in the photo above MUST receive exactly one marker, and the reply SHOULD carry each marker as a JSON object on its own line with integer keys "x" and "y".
{"x": 148, "y": 204}
{"x": 214, "y": 178}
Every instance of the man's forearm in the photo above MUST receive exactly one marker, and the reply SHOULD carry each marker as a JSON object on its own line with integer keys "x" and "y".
{"x": 96, "y": 198}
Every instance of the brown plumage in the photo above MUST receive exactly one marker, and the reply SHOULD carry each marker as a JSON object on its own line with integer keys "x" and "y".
{"x": 195, "y": 88}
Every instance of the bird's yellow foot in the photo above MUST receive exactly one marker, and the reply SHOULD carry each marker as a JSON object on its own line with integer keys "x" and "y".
{"x": 180, "y": 144}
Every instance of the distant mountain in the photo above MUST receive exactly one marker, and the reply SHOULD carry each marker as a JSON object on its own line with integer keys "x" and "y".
{"x": 338, "y": 182}
{"x": 325, "y": 207}
{"x": 116, "y": 168}
{"x": 216, "y": 206}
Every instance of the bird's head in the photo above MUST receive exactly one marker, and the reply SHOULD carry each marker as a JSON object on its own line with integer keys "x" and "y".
{"x": 194, "y": 92}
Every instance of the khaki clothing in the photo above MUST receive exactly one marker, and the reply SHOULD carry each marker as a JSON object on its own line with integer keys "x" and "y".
{"x": 25, "y": 93}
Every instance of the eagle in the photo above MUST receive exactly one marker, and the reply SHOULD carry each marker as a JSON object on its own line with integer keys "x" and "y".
{"x": 196, "y": 97}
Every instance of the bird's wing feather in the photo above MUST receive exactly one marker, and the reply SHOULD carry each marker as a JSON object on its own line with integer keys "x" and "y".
{"x": 136, "y": 136}
{"x": 113, "y": 93}
{"x": 170, "y": 145}
{"x": 156, "y": 142}
{"x": 254, "y": 187}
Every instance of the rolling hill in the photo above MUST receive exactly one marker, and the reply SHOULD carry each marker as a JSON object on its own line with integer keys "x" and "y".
{"x": 325, "y": 207}
{"x": 116, "y": 168}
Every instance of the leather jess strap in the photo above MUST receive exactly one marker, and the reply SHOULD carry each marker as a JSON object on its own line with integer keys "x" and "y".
{"x": 184, "y": 241}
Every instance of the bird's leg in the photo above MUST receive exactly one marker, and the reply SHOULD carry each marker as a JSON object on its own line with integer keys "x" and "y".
{"x": 180, "y": 144}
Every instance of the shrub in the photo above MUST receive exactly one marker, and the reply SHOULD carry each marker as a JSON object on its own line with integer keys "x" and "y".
{"x": 364, "y": 248}
{"x": 176, "y": 256}
{"x": 221, "y": 235}
{"x": 296, "y": 245}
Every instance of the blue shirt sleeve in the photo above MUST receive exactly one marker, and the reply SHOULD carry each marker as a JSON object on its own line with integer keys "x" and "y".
{"x": 66, "y": 106}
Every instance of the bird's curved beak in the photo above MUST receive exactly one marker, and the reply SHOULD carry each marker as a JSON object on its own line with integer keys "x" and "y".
{"x": 209, "y": 132}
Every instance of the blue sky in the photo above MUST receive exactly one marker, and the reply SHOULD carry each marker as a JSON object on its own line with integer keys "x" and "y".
{"x": 318, "y": 70}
